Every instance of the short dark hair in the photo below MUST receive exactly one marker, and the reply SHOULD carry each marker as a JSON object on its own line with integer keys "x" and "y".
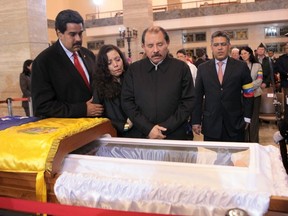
{"x": 220, "y": 34}
{"x": 155, "y": 29}
{"x": 67, "y": 16}
{"x": 200, "y": 53}
{"x": 183, "y": 51}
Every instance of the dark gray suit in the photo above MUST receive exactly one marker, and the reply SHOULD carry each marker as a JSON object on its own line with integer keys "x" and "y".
{"x": 224, "y": 107}
{"x": 58, "y": 90}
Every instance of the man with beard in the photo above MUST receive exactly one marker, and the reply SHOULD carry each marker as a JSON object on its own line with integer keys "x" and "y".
{"x": 157, "y": 92}
{"x": 61, "y": 80}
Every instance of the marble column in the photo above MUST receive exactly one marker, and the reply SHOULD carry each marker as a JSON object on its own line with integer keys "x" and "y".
{"x": 137, "y": 15}
{"x": 23, "y": 36}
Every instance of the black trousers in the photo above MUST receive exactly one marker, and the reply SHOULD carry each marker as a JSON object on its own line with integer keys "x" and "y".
{"x": 240, "y": 137}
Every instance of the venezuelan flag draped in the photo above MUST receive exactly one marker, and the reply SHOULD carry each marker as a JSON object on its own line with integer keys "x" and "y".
{"x": 31, "y": 147}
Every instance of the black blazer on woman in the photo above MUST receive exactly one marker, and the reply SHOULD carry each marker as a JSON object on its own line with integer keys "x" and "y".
{"x": 113, "y": 111}
{"x": 58, "y": 89}
{"x": 25, "y": 85}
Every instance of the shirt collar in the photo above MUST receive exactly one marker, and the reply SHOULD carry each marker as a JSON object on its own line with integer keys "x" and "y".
{"x": 156, "y": 65}
{"x": 224, "y": 61}
{"x": 68, "y": 53}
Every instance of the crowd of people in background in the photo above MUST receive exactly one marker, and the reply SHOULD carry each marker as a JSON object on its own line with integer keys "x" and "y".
{"x": 157, "y": 96}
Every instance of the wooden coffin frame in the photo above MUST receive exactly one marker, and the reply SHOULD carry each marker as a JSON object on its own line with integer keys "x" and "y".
{"x": 22, "y": 185}
{"x": 278, "y": 206}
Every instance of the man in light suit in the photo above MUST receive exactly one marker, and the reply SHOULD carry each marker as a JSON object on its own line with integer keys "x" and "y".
{"x": 58, "y": 88}
{"x": 227, "y": 87}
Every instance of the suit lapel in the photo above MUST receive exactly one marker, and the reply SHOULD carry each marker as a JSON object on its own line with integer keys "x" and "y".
{"x": 214, "y": 72}
{"x": 85, "y": 61}
{"x": 228, "y": 70}
{"x": 68, "y": 64}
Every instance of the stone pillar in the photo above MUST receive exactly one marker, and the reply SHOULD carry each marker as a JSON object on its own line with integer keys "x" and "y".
{"x": 23, "y": 36}
{"x": 137, "y": 15}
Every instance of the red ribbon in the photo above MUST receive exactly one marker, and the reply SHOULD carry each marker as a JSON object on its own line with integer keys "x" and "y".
{"x": 29, "y": 206}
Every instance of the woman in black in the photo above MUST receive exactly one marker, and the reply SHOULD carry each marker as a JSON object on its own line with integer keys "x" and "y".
{"x": 25, "y": 83}
{"x": 107, "y": 83}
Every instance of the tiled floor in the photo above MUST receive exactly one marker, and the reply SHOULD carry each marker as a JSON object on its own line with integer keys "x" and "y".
{"x": 266, "y": 134}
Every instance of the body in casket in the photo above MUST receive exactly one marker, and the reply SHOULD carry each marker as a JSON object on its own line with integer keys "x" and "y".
{"x": 33, "y": 177}
{"x": 173, "y": 177}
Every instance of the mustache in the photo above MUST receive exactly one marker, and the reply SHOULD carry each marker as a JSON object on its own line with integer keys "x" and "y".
{"x": 77, "y": 44}
{"x": 157, "y": 55}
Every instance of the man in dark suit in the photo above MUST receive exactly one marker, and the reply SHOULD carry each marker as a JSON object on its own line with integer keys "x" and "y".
{"x": 59, "y": 89}
{"x": 267, "y": 65}
{"x": 226, "y": 85}
{"x": 157, "y": 91}
{"x": 282, "y": 68}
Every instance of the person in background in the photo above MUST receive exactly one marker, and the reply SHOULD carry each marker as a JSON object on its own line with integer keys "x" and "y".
{"x": 61, "y": 80}
{"x": 193, "y": 59}
{"x": 282, "y": 68}
{"x": 227, "y": 86}
{"x": 246, "y": 54}
{"x": 276, "y": 75}
{"x": 272, "y": 56}
{"x": 255, "y": 54}
{"x": 107, "y": 83}
{"x": 181, "y": 55}
{"x": 235, "y": 53}
{"x": 141, "y": 55}
{"x": 201, "y": 57}
{"x": 157, "y": 92}
{"x": 25, "y": 84}
{"x": 267, "y": 66}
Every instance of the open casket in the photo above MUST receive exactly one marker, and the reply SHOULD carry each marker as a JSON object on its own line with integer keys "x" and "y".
{"x": 175, "y": 177}
{"x": 31, "y": 154}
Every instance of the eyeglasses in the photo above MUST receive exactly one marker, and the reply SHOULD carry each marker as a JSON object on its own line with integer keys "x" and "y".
{"x": 220, "y": 44}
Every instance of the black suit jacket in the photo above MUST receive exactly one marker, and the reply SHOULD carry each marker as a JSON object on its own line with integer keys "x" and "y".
{"x": 266, "y": 67}
{"x": 282, "y": 68}
{"x": 58, "y": 90}
{"x": 224, "y": 105}
{"x": 160, "y": 95}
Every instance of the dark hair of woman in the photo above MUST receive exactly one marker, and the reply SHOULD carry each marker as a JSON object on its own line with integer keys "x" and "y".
{"x": 252, "y": 58}
{"x": 25, "y": 69}
{"x": 105, "y": 83}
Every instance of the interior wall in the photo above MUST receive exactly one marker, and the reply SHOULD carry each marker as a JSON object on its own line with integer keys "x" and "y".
{"x": 23, "y": 36}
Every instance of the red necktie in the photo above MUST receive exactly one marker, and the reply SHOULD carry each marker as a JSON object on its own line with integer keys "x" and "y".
{"x": 80, "y": 69}
{"x": 220, "y": 72}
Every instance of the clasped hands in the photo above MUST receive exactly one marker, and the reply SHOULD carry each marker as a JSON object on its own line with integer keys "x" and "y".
{"x": 156, "y": 132}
